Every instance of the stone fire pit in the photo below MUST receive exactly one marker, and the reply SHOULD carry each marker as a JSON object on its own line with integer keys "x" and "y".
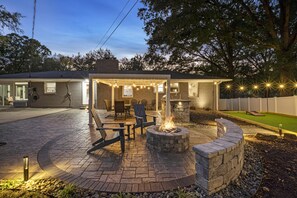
{"x": 175, "y": 142}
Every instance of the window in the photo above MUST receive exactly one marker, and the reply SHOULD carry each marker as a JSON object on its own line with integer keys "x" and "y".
{"x": 127, "y": 91}
{"x": 193, "y": 89}
{"x": 160, "y": 88}
{"x": 174, "y": 88}
{"x": 49, "y": 87}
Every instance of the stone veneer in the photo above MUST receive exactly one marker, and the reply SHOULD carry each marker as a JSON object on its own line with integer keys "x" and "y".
{"x": 167, "y": 142}
{"x": 221, "y": 161}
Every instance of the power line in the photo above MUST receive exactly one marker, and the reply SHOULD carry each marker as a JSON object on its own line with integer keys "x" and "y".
{"x": 34, "y": 15}
{"x": 112, "y": 24}
{"x": 119, "y": 24}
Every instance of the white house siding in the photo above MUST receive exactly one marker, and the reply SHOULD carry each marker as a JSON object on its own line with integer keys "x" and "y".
{"x": 205, "y": 97}
{"x": 56, "y": 100}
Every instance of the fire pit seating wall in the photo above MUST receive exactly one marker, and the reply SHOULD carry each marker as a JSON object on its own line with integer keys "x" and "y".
{"x": 221, "y": 161}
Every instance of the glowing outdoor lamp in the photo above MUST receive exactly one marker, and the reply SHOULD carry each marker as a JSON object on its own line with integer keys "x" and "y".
{"x": 241, "y": 88}
{"x": 281, "y": 86}
{"x": 228, "y": 86}
{"x": 26, "y": 168}
{"x": 255, "y": 87}
{"x": 268, "y": 85}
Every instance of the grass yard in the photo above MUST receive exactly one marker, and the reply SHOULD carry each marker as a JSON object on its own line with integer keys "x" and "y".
{"x": 288, "y": 122}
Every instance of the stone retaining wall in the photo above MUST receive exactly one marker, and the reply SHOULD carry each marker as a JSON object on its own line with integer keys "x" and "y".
{"x": 221, "y": 161}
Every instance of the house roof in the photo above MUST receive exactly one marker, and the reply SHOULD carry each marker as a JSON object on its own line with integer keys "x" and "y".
{"x": 48, "y": 75}
{"x": 85, "y": 75}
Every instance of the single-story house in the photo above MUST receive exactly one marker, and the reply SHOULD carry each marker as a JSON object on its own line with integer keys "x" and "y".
{"x": 81, "y": 88}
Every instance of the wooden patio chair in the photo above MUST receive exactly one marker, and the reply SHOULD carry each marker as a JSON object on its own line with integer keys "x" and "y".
{"x": 119, "y": 108}
{"x": 141, "y": 117}
{"x": 118, "y": 134}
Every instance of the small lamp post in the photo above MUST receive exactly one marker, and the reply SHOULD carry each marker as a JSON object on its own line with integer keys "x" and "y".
{"x": 280, "y": 129}
{"x": 26, "y": 168}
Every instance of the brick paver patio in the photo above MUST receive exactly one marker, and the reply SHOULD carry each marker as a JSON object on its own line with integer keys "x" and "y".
{"x": 57, "y": 145}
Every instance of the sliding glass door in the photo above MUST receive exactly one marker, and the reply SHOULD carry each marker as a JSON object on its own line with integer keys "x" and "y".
{"x": 5, "y": 95}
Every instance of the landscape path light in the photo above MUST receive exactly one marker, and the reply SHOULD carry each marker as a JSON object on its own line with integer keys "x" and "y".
{"x": 26, "y": 167}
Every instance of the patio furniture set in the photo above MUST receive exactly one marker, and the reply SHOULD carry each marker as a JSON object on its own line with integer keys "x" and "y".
{"x": 118, "y": 133}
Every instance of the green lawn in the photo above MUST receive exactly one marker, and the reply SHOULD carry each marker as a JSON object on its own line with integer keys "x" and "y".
{"x": 289, "y": 123}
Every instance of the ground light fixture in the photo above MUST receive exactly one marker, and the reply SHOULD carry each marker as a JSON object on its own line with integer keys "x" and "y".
{"x": 280, "y": 129}
{"x": 26, "y": 167}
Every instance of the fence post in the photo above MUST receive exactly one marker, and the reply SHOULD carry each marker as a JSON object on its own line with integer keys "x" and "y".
{"x": 260, "y": 104}
{"x": 239, "y": 105}
{"x": 275, "y": 104}
{"x": 295, "y": 101}
{"x": 249, "y": 103}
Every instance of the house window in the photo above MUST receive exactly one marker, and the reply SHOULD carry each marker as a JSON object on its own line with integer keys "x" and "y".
{"x": 160, "y": 88}
{"x": 193, "y": 89}
{"x": 127, "y": 91}
{"x": 174, "y": 88}
{"x": 49, "y": 87}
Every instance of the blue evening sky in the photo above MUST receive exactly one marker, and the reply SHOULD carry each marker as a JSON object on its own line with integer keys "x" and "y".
{"x": 71, "y": 26}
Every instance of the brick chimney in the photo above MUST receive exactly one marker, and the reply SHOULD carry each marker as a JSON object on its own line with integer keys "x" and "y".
{"x": 107, "y": 66}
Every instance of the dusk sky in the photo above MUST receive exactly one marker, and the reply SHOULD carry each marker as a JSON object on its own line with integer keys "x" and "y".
{"x": 71, "y": 26}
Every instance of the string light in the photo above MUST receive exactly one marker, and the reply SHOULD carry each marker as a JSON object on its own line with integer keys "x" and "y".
{"x": 256, "y": 87}
{"x": 241, "y": 88}
{"x": 268, "y": 85}
{"x": 228, "y": 86}
{"x": 281, "y": 86}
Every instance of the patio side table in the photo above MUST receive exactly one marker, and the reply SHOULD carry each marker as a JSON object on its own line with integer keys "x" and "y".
{"x": 129, "y": 124}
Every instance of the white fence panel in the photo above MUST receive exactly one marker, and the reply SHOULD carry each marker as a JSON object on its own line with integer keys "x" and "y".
{"x": 283, "y": 105}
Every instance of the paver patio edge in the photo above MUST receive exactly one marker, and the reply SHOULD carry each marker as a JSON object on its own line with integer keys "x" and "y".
{"x": 51, "y": 169}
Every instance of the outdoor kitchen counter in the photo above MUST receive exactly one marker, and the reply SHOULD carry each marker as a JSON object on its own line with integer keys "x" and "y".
{"x": 180, "y": 109}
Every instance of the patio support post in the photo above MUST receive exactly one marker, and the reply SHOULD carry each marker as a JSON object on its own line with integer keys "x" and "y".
{"x": 157, "y": 97}
{"x": 168, "y": 99}
{"x": 91, "y": 99}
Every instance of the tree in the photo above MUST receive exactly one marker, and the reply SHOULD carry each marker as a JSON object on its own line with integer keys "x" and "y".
{"x": 274, "y": 26}
{"x": 8, "y": 20}
{"x": 219, "y": 36}
{"x": 21, "y": 54}
{"x": 136, "y": 63}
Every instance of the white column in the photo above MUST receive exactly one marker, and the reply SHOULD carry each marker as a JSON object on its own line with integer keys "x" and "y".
{"x": 157, "y": 97}
{"x": 112, "y": 97}
{"x": 167, "y": 115}
{"x": 95, "y": 95}
{"x": 275, "y": 104}
{"x": 217, "y": 97}
{"x": 91, "y": 99}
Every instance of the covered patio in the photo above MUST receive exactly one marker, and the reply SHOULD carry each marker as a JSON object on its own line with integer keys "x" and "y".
{"x": 139, "y": 81}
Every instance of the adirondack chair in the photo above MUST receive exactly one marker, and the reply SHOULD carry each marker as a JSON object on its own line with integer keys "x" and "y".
{"x": 141, "y": 117}
{"x": 119, "y": 134}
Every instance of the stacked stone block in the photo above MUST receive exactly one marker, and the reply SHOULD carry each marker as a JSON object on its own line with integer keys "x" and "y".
{"x": 221, "y": 161}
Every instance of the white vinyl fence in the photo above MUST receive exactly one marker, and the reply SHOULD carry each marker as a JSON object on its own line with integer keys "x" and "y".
{"x": 283, "y": 105}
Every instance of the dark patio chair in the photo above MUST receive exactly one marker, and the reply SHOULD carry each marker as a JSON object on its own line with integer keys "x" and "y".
{"x": 133, "y": 102}
{"x": 119, "y": 108}
{"x": 117, "y": 134}
{"x": 141, "y": 117}
{"x": 144, "y": 102}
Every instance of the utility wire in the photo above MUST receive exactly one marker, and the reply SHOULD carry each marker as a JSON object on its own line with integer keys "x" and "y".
{"x": 119, "y": 24}
{"x": 34, "y": 15}
{"x": 112, "y": 24}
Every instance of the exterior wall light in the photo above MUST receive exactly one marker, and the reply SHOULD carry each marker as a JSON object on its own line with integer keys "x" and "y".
{"x": 26, "y": 167}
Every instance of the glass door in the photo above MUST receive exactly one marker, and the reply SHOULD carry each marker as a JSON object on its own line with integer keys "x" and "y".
{"x": 21, "y": 91}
